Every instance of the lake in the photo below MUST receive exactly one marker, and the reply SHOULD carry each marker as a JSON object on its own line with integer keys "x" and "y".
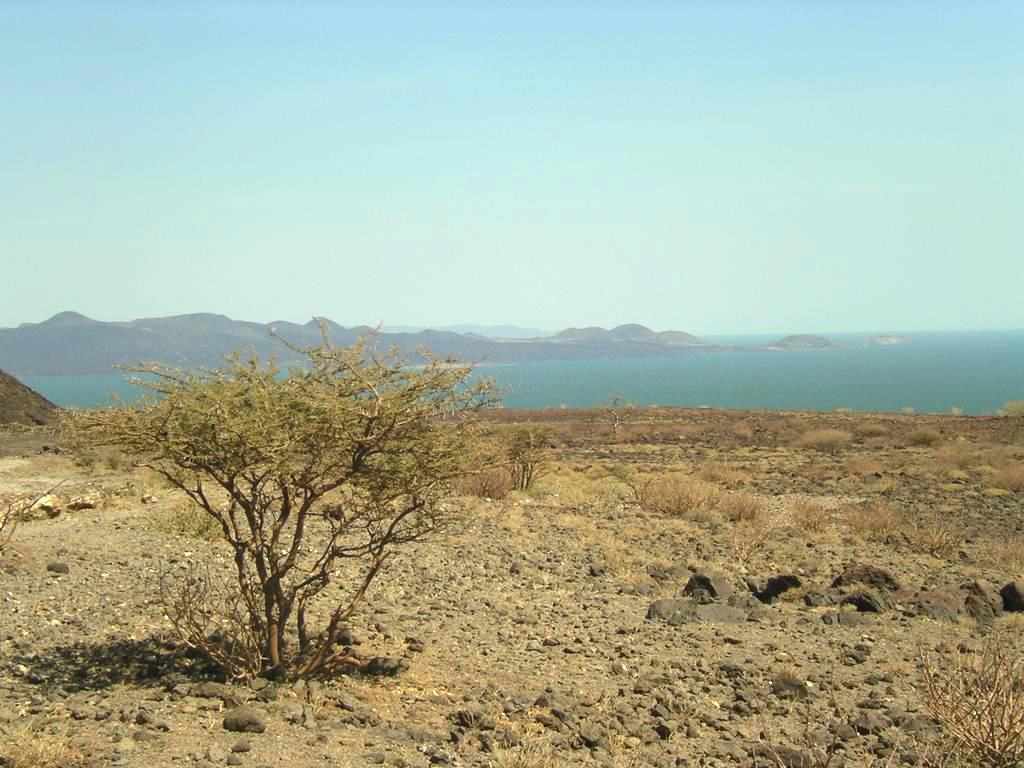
{"x": 977, "y": 372}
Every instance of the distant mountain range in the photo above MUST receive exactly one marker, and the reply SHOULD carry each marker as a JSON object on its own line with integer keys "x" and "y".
{"x": 73, "y": 344}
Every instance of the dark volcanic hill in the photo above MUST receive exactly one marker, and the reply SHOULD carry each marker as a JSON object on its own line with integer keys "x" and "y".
{"x": 21, "y": 405}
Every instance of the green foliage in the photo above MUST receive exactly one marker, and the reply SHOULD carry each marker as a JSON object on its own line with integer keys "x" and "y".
{"x": 526, "y": 455}
{"x": 338, "y": 462}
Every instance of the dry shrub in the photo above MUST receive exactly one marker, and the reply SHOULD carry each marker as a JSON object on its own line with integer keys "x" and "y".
{"x": 681, "y": 496}
{"x": 978, "y": 701}
{"x": 743, "y": 431}
{"x": 863, "y": 465}
{"x": 808, "y": 515}
{"x": 924, "y": 437}
{"x": 31, "y": 748}
{"x": 872, "y": 429}
{"x": 493, "y": 483}
{"x": 957, "y": 456}
{"x": 1010, "y": 479}
{"x": 877, "y": 521}
{"x": 748, "y": 537}
{"x": 717, "y": 472}
{"x": 741, "y": 507}
{"x": 938, "y": 537}
{"x": 191, "y": 522}
{"x": 1006, "y": 553}
{"x": 829, "y": 441}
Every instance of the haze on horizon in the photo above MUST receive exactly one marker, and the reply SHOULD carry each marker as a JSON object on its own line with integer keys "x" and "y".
{"x": 710, "y": 167}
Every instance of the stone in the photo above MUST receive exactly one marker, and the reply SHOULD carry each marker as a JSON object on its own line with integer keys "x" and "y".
{"x": 705, "y": 586}
{"x": 1013, "y": 596}
{"x": 245, "y": 719}
{"x": 49, "y": 505}
{"x": 88, "y": 501}
{"x": 870, "y": 600}
{"x": 789, "y": 687}
{"x": 672, "y": 611}
{"x": 776, "y": 585}
{"x": 938, "y": 604}
{"x": 871, "y": 723}
{"x": 385, "y": 666}
{"x": 814, "y": 598}
{"x": 58, "y": 568}
{"x": 866, "y": 575}
{"x": 983, "y": 603}
{"x": 717, "y": 613}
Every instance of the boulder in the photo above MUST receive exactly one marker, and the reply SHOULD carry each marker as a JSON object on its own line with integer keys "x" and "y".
{"x": 673, "y": 611}
{"x": 983, "y": 603}
{"x": 938, "y": 604}
{"x": 49, "y": 505}
{"x": 861, "y": 574}
{"x": 870, "y": 600}
{"x": 1013, "y": 596}
{"x": 705, "y": 586}
{"x": 245, "y": 719}
{"x": 776, "y": 585}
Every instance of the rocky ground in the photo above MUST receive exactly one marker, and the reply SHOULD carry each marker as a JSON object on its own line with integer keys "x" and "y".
{"x": 786, "y": 619}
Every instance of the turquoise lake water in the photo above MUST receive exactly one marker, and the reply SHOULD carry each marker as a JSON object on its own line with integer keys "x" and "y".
{"x": 977, "y": 372}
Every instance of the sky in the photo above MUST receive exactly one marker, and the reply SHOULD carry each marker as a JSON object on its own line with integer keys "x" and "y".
{"x": 713, "y": 167}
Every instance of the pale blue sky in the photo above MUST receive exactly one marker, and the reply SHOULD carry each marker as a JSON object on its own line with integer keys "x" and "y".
{"x": 717, "y": 167}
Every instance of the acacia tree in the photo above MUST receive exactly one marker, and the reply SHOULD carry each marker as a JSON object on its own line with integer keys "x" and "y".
{"x": 334, "y": 464}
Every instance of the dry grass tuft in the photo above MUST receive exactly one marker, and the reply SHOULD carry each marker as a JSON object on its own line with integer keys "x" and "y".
{"x": 1010, "y": 478}
{"x": 808, "y": 515}
{"x": 877, "y": 521}
{"x": 863, "y": 465}
{"x": 681, "y": 496}
{"x": 1005, "y": 553}
{"x": 978, "y": 701}
{"x": 31, "y": 748}
{"x": 717, "y": 472}
{"x": 741, "y": 507}
{"x": 829, "y": 441}
{"x": 493, "y": 483}
{"x": 872, "y": 429}
{"x": 938, "y": 537}
{"x": 189, "y": 521}
{"x": 924, "y": 437}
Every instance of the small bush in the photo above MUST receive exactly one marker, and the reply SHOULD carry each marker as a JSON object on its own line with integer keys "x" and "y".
{"x": 526, "y": 456}
{"x": 716, "y": 472}
{"x": 829, "y": 441}
{"x": 872, "y": 429}
{"x": 937, "y": 537}
{"x": 741, "y": 507}
{"x": 314, "y": 479}
{"x": 1010, "y": 479}
{"x": 978, "y": 701}
{"x": 681, "y": 496}
{"x": 924, "y": 437}
{"x": 190, "y": 521}
{"x": 33, "y": 748}
{"x": 628, "y": 476}
{"x": 863, "y": 465}
{"x": 958, "y": 455}
{"x": 877, "y": 521}
{"x": 808, "y": 515}
{"x": 492, "y": 483}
